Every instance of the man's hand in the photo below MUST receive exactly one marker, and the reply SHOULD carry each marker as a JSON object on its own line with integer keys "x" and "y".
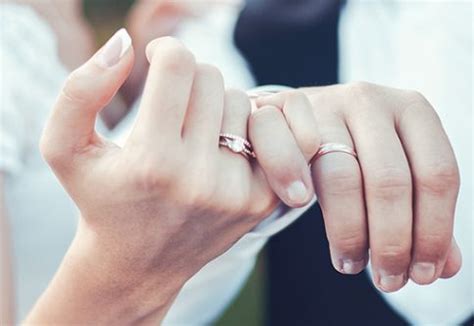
{"x": 398, "y": 198}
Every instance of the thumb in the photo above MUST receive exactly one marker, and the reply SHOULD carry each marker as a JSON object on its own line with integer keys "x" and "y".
{"x": 87, "y": 90}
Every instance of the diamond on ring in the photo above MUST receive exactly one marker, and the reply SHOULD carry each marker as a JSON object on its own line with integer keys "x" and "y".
{"x": 236, "y": 144}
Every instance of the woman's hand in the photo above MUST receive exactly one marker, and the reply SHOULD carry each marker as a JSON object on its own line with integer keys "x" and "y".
{"x": 398, "y": 198}
{"x": 157, "y": 210}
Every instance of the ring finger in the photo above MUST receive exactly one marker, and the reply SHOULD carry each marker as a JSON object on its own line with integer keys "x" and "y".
{"x": 338, "y": 185}
{"x": 235, "y": 119}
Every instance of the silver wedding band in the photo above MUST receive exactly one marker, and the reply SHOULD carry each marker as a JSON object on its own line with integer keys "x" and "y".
{"x": 333, "y": 148}
{"x": 237, "y": 145}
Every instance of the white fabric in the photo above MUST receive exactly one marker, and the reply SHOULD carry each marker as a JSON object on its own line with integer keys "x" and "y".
{"x": 210, "y": 38}
{"x": 427, "y": 46}
{"x": 42, "y": 216}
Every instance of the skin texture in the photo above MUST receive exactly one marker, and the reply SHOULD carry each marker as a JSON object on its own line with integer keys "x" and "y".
{"x": 400, "y": 194}
{"x": 398, "y": 198}
{"x": 150, "y": 216}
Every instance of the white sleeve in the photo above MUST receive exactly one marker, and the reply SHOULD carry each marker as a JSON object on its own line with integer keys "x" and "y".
{"x": 11, "y": 133}
{"x": 425, "y": 46}
{"x": 30, "y": 71}
{"x": 445, "y": 78}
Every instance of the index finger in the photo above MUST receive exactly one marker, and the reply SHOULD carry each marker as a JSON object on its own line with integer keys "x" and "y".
{"x": 279, "y": 156}
{"x": 300, "y": 118}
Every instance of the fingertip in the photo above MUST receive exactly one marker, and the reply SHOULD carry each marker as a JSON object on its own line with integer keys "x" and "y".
{"x": 114, "y": 50}
{"x": 454, "y": 261}
{"x": 276, "y": 100}
{"x": 298, "y": 194}
{"x": 166, "y": 41}
{"x": 86, "y": 91}
{"x": 280, "y": 157}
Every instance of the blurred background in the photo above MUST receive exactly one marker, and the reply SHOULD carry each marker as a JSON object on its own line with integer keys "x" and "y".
{"x": 107, "y": 16}
{"x": 293, "y": 278}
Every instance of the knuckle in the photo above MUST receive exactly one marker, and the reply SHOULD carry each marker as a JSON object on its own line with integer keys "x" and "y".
{"x": 432, "y": 245}
{"x": 360, "y": 88}
{"x": 265, "y": 114}
{"x": 339, "y": 181}
{"x": 210, "y": 72}
{"x": 240, "y": 100}
{"x": 74, "y": 88}
{"x": 257, "y": 210}
{"x": 77, "y": 89}
{"x": 52, "y": 155}
{"x": 197, "y": 190}
{"x": 295, "y": 100}
{"x": 414, "y": 101}
{"x": 389, "y": 183}
{"x": 152, "y": 174}
{"x": 198, "y": 197}
{"x": 236, "y": 205}
{"x": 296, "y": 96}
{"x": 415, "y": 97}
{"x": 393, "y": 253}
{"x": 173, "y": 56}
{"x": 364, "y": 96}
{"x": 309, "y": 142}
{"x": 349, "y": 243}
{"x": 148, "y": 179}
{"x": 438, "y": 179}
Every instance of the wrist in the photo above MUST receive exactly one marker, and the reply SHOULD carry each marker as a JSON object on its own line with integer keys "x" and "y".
{"x": 94, "y": 287}
{"x": 124, "y": 274}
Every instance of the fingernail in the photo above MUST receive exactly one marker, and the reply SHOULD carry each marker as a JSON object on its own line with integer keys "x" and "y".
{"x": 297, "y": 192}
{"x": 350, "y": 266}
{"x": 115, "y": 48}
{"x": 390, "y": 283}
{"x": 423, "y": 273}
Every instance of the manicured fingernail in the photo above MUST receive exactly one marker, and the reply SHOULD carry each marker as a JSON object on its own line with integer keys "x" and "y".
{"x": 114, "y": 49}
{"x": 297, "y": 192}
{"x": 389, "y": 283}
{"x": 423, "y": 273}
{"x": 350, "y": 266}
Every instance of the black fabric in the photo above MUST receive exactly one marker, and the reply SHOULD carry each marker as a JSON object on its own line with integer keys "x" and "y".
{"x": 294, "y": 43}
{"x": 469, "y": 322}
{"x": 304, "y": 289}
{"x": 290, "y": 42}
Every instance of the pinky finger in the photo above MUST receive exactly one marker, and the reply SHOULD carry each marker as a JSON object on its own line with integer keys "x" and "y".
{"x": 300, "y": 119}
{"x": 278, "y": 154}
{"x": 453, "y": 262}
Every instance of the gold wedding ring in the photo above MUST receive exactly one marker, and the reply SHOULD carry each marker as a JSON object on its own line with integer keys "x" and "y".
{"x": 237, "y": 144}
{"x": 332, "y": 148}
